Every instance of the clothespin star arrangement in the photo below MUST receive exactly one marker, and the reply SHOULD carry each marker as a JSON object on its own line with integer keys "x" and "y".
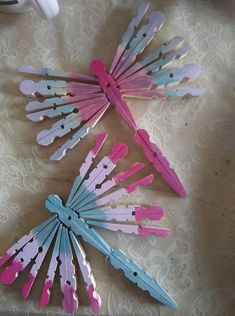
{"x": 82, "y": 99}
{"x": 85, "y": 209}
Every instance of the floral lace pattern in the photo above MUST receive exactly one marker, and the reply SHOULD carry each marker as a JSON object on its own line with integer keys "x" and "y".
{"x": 196, "y": 263}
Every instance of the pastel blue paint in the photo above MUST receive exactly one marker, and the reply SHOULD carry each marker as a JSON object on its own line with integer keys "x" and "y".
{"x": 48, "y": 242}
{"x": 117, "y": 258}
{"x": 137, "y": 275}
{"x": 88, "y": 197}
{"x": 133, "y": 24}
{"x": 89, "y": 206}
{"x": 167, "y": 76}
{"x": 44, "y": 233}
{"x": 65, "y": 248}
{"x": 72, "y": 194}
{"x": 64, "y": 109}
{"x": 163, "y": 49}
{"x": 97, "y": 211}
{"x": 170, "y": 93}
{"x": 159, "y": 63}
{"x": 56, "y": 249}
{"x": 98, "y": 224}
{"x": 99, "y": 217}
{"x": 79, "y": 227}
{"x": 41, "y": 226}
{"x": 81, "y": 193}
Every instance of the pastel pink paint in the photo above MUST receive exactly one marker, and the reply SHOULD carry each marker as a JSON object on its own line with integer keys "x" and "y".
{"x": 9, "y": 275}
{"x": 95, "y": 302}
{"x": 46, "y": 293}
{"x": 70, "y": 302}
{"x": 137, "y": 83}
{"x": 122, "y": 70}
{"x": 160, "y": 163}
{"x": 159, "y": 232}
{"x": 132, "y": 170}
{"x": 153, "y": 213}
{"x": 27, "y": 286}
{"x": 144, "y": 181}
{"x": 80, "y": 89}
{"x": 118, "y": 152}
{"x": 109, "y": 86}
{"x": 118, "y": 54}
{"x": 161, "y": 93}
{"x": 80, "y": 77}
{"x": 85, "y": 114}
{"x": 4, "y": 259}
{"x": 100, "y": 139}
{"x": 130, "y": 73}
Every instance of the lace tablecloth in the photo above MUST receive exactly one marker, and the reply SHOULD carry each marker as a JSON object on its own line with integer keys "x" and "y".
{"x": 196, "y": 263}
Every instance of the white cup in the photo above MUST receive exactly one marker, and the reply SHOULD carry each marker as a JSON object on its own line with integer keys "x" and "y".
{"x": 47, "y": 8}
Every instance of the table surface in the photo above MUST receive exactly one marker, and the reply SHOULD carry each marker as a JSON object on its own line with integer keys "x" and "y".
{"x": 196, "y": 263}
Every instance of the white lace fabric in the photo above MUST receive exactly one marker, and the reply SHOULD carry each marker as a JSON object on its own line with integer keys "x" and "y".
{"x": 196, "y": 263}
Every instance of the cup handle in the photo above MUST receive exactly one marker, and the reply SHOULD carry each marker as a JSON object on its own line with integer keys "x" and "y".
{"x": 47, "y": 8}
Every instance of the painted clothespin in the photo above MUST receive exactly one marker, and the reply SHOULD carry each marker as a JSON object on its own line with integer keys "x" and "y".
{"x": 83, "y": 99}
{"x": 87, "y": 208}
